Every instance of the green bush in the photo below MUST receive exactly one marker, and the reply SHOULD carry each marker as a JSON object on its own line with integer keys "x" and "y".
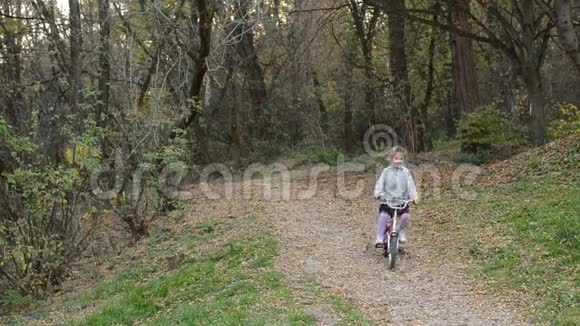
{"x": 43, "y": 209}
{"x": 327, "y": 155}
{"x": 482, "y": 129}
{"x": 478, "y": 130}
{"x": 568, "y": 124}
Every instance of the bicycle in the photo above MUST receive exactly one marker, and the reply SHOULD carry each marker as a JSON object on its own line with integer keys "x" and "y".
{"x": 391, "y": 245}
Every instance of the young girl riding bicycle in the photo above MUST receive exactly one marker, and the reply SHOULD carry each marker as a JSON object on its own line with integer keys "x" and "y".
{"x": 395, "y": 184}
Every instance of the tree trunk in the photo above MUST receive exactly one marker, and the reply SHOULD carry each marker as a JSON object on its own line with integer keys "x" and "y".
{"x": 451, "y": 116}
{"x": 425, "y": 132}
{"x": 537, "y": 127}
{"x": 15, "y": 99}
{"x": 347, "y": 122}
{"x": 370, "y": 90}
{"x": 530, "y": 59}
{"x": 76, "y": 42}
{"x": 203, "y": 16}
{"x": 104, "y": 62}
{"x": 398, "y": 64}
{"x": 566, "y": 32}
{"x": 196, "y": 110}
{"x": 248, "y": 57}
{"x": 366, "y": 34}
{"x": 235, "y": 130}
{"x": 464, "y": 72}
{"x": 321, "y": 107}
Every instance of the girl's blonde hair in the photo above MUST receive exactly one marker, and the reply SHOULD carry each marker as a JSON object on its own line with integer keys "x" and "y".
{"x": 396, "y": 150}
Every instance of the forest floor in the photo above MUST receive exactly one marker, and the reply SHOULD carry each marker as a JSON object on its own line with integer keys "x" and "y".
{"x": 309, "y": 259}
{"x": 330, "y": 239}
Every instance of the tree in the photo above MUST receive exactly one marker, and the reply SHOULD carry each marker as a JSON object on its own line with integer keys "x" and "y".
{"x": 365, "y": 23}
{"x": 521, "y": 31}
{"x": 76, "y": 44}
{"x": 11, "y": 49}
{"x": 243, "y": 39}
{"x": 104, "y": 62}
{"x": 401, "y": 85}
{"x": 464, "y": 72}
{"x": 425, "y": 132}
{"x": 562, "y": 15}
{"x": 201, "y": 17}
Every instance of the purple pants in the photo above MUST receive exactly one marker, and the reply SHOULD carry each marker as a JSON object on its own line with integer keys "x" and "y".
{"x": 384, "y": 220}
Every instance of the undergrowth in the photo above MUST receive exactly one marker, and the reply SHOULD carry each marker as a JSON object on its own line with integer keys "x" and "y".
{"x": 313, "y": 155}
{"x": 525, "y": 236}
{"x": 213, "y": 273}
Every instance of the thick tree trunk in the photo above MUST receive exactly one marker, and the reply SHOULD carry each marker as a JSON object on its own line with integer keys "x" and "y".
{"x": 463, "y": 62}
{"x": 196, "y": 110}
{"x": 566, "y": 32}
{"x": 451, "y": 116}
{"x": 366, "y": 34}
{"x": 398, "y": 64}
{"x": 203, "y": 15}
{"x": 537, "y": 127}
{"x": 76, "y": 43}
{"x": 104, "y": 62}
{"x": 248, "y": 59}
{"x": 15, "y": 99}
{"x": 425, "y": 132}
{"x": 530, "y": 59}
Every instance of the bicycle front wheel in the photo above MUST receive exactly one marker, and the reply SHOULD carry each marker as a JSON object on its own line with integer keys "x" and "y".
{"x": 393, "y": 251}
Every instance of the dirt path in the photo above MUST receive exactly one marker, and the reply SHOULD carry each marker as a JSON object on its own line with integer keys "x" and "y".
{"x": 327, "y": 238}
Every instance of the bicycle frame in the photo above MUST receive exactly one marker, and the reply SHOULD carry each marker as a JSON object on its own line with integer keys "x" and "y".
{"x": 391, "y": 231}
{"x": 391, "y": 234}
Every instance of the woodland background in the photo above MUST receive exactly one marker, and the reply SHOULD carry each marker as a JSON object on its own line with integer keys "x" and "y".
{"x": 192, "y": 82}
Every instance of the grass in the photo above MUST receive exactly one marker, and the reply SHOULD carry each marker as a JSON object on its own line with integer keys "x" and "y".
{"x": 442, "y": 144}
{"x": 227, "y": 277}
{"x": 312, "y": 155}
{"x": 232, "y": 284}
{"x": 526, "y": 238}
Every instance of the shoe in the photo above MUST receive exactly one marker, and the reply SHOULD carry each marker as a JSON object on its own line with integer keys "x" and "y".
{"x": 379, "y": 244}
{"x": 402, "y": 237}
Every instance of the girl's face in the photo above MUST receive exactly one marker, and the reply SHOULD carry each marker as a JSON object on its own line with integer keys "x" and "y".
{"x": 398, "y": 159}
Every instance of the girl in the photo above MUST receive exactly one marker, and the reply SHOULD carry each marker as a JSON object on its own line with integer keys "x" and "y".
{"x": 395, "y": 184}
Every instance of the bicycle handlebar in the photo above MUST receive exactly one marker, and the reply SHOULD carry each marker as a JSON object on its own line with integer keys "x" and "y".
{"x": 396, "y": 203}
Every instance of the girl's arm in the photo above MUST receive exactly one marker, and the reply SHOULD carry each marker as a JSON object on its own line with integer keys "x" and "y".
{"x": 412, "y": 188}
{"x": 380, "y": 185}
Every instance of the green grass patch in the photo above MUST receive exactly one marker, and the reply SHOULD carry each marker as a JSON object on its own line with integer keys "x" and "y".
{"x": 442, "y": 144}
{"x": 535, "y": 248}
{"x": 232, "y": 285}
{"x": 328, "y": 155}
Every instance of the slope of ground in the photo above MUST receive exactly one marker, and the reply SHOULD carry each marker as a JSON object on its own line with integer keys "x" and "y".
{"x": 511, "y": 248}
{"x": 559, "y": 159}
{"x": 213, "y": 264}
{"x": 327, "y": 238}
